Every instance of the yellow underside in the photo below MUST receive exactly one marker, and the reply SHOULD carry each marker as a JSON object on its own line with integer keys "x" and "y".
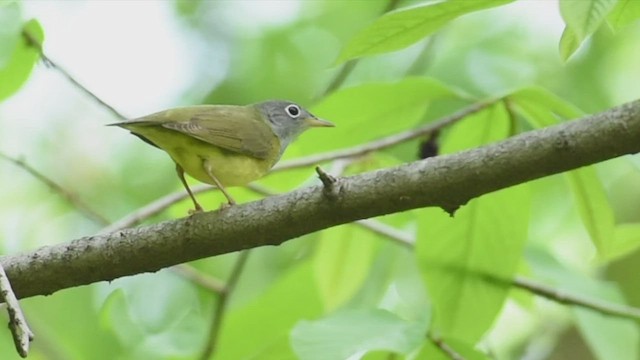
{"x": 231, "y": 169}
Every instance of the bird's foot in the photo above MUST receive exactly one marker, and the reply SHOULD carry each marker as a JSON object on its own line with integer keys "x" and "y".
{"x": 198, "y": 209}
{"x": 227, "y": 205}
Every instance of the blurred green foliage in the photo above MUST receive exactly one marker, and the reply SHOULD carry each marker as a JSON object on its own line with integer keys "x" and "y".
{"x": 349, "y": 292}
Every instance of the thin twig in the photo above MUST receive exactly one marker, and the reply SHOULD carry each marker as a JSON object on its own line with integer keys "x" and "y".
{"x": 402, "y": 238}
{"x": 199, "y": 278}
{"x": 70, "y": 197}
{"x": 340, "y": 77}
{"x": 153, "y": 208}
{"x": 385, "y": 142}
{"x": 445, "y": 348}
{"x": 531, "y": 286}
{"x": 22, "y": 335}
{"x": 34, "y": 43}
{"x": 221, "y": 305}
{"x": 562, "y": 297}
{"x": 348, "y": 67}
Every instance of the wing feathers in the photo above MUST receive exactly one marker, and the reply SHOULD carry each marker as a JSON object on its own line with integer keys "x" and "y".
{"x": 240, "y": 129}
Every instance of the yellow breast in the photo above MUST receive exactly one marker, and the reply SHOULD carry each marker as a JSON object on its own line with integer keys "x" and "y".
{"x": 231, "y": 168}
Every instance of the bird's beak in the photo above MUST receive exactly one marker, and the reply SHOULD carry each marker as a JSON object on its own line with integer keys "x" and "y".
{"x": 315, "y": 122}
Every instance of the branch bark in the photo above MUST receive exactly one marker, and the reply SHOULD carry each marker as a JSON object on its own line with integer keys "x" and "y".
{"x": 446, "y": 181}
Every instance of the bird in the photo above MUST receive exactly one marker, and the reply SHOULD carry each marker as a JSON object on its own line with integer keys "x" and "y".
{"x": 224, "y": 145}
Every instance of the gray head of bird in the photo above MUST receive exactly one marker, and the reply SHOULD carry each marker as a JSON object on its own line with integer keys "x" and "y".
{"x": 288, "y": 120}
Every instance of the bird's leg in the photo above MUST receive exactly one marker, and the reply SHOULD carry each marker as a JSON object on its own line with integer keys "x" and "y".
{"x": 180, "y": 172}
{"x": 208, "y": 169}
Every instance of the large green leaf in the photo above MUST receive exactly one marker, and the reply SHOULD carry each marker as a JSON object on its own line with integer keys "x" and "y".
{"x": 348, "y": 333}
{"x": 624, "y": 13}
{"x": 541, "y": 108}
{"x": 593, "y": 207}
{"x": 66, "y": 326}
{"x": 582, "y": 18}
{"x": 154, "y": 315}
{"x": 399, "y": 29}
{"x": 342, "y": 261}
{"x": 466, "y": 258}
{"x": 365, "y": 112}
{"x": 261, "y": 328}
{"x": 18, "y": 67}
{"x": 487, "y": 126}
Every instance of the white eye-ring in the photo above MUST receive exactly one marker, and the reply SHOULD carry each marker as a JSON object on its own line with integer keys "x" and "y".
{"x": 293, "y": 110}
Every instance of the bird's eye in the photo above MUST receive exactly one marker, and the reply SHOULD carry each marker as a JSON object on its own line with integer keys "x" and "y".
{"x": 293, "y": 110}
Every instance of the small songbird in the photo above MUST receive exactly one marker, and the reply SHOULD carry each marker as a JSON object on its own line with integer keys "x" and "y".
{"x": 224, "y": 145}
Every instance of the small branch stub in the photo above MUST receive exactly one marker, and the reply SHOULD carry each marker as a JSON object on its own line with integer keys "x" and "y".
{"x": 331, "y": 186}
{"x": 22, "y": 335}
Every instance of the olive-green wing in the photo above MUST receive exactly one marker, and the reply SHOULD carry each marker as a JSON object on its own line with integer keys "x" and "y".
{"x": 240, "y": 129}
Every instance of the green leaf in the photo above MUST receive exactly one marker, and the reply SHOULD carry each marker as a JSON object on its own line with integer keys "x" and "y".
{"x": 115, "y": 317}
{"x": 262, "y": 326}
{"x": 626, "y": 240}
{"x": 392, "y": 107}
{"x": 347, "y": 333}
{"x": 399, "y": 29}
{"x": 489, "y": 125}
{"x": 17, "y": 69}
{"x": 45, "y": 314}
{"x": 341, "y": 263}
{"x": 583, "y": 17}
{"x": 593, "y": 207}
{"x": 569, "y": 43}
{"x": 465, "y": 258}
{"x": 11, "y": 20}
{"x": 624, "y": 13}
{"x": 154, "y": 315}
{"x": 541, "y": 108}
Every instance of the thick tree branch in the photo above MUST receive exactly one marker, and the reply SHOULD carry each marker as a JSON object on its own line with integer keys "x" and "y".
{"x": 446, "y": 181}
